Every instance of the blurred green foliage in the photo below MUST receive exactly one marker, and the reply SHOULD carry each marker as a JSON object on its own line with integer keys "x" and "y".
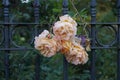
{"x": 22, "y": 63}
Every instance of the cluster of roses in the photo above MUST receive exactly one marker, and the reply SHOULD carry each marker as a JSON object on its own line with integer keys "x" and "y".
{"x": 62, "y": 40}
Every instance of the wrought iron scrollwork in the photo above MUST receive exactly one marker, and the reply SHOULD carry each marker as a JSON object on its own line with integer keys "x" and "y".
{"x": 103, "y": 30}
{"x": 21, "y": 34}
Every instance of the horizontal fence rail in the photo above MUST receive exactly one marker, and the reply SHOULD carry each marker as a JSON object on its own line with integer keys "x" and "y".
{"x": 7, "y": 41}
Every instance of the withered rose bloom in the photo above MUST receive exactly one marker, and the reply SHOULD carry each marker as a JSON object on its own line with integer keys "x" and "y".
{"x": 64, "y": 30}
{"x": 77, "y": 55}
{"x": 47, "y": 46}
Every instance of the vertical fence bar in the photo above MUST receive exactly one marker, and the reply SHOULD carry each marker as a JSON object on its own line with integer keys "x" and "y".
{"x": 7, "y": 39}
{"x": 118, "y": 40}
{"x": 36, "y": 10}
{"x": 93, "y": 21}
{"x": 65, "y": 63}
{"x": 37, "y": 58}
{"x": 65, "y": 69}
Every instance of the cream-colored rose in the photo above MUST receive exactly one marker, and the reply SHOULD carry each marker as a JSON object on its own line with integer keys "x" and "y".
{"x": 46, "y": 46}
{"x": 67, "y": 18}
{"x": 42, "y": 35}
{"x": 77, "y": 55}
{"x": 64, "y": 30}
{"x": 63, "y": 40}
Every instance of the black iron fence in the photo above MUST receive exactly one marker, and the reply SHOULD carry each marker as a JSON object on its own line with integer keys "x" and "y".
{"x": 6, "y": 39}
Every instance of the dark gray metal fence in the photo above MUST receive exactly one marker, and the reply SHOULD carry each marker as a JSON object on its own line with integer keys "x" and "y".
{"x": 6, "y": 39}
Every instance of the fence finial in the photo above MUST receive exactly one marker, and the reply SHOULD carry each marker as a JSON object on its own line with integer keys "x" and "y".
{"x": 36, "y": 3}
{"x": 65, "y": 7}
{"x": 93, "y": 10}
{"x": 6, "y": 2}
{"x": 93, "y": 3}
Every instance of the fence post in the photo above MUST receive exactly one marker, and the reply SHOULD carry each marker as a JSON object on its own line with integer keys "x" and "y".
{"x": 92, "y": 35}
{"x": 118, "y": 41}
{"x": 36, "y": 5}
{"x": 6, "y": 38}
{"x": 65, "y": 63}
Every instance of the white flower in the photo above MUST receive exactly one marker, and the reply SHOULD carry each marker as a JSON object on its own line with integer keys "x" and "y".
{"x": 24, "y": 1}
